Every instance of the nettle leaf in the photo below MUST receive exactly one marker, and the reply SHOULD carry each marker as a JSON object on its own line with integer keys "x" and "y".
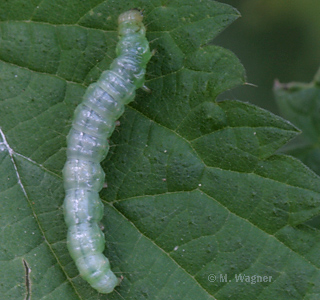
{"x": 300, "y": 103}
{"x": 196, "y": 196}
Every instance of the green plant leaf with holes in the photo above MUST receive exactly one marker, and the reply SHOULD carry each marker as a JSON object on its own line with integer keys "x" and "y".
{"x": 197, "y": 203}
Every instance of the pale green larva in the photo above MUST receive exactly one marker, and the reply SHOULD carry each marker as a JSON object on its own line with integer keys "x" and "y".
{"x": 87, "y": 145}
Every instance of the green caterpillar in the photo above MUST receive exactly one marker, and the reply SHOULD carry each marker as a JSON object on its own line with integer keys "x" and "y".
{"x": 87, "y": 145}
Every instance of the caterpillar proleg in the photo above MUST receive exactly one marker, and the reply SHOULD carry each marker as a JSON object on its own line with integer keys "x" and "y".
{"x": 93, "y": 123}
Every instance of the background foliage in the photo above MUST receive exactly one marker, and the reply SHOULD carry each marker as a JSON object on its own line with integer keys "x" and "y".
{"x": 274, "y": 39}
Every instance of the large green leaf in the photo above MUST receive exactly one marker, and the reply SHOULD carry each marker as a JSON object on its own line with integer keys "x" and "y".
{"x": 194, "y": 188}
{"x": 300, "y": 103}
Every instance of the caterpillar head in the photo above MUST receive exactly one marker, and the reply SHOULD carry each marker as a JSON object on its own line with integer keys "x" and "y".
{"x": 130, "y": 22}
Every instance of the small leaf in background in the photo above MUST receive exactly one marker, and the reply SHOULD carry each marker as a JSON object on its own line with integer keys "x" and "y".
{"x": 195, "y": 192}
{"x": 300, "y": 103}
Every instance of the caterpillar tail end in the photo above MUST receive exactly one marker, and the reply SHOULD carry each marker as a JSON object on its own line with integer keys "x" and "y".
{"x": 107, "y": 284}
{"x": 95, "y": 269}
